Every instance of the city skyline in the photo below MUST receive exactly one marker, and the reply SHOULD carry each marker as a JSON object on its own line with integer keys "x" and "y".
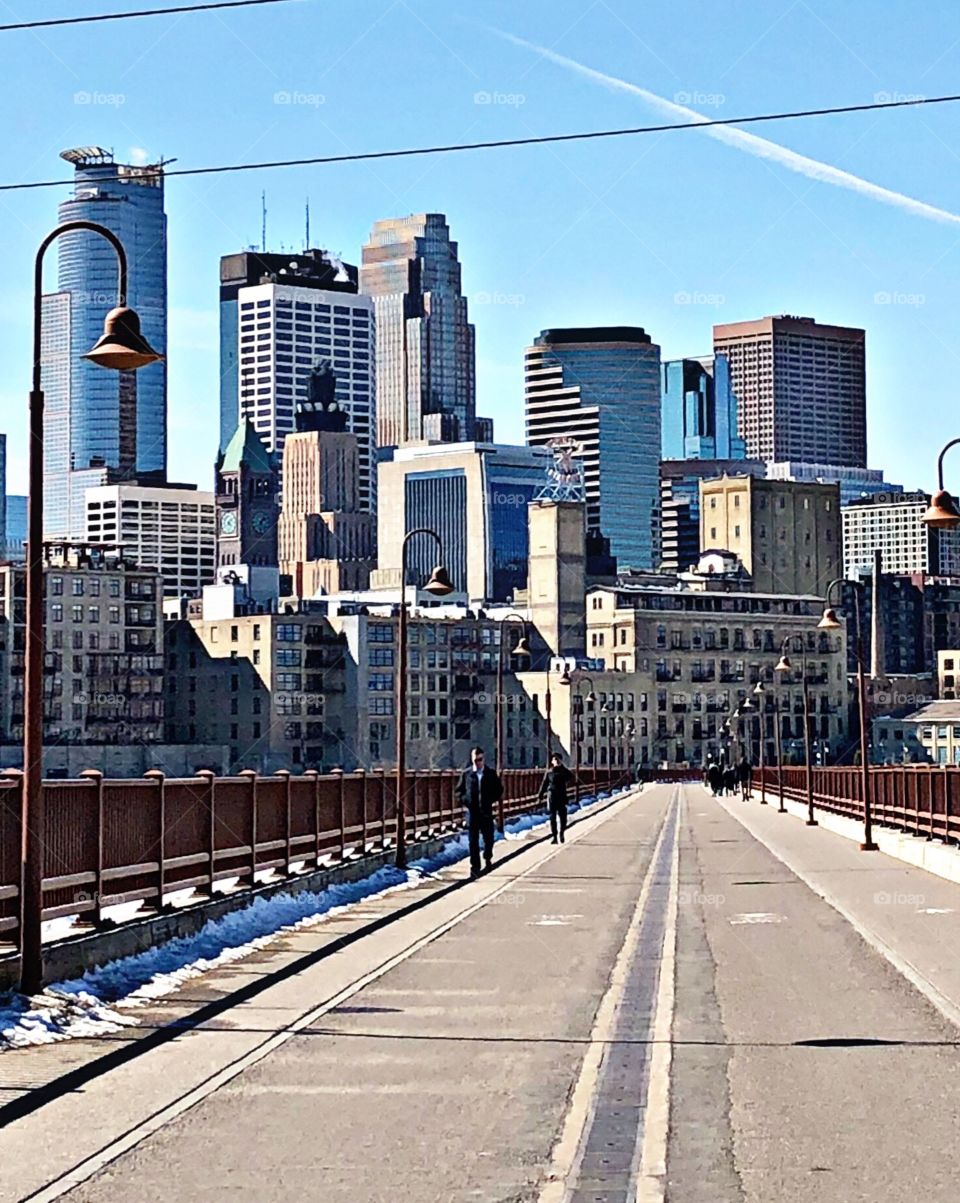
{"x": 530, "y": 221}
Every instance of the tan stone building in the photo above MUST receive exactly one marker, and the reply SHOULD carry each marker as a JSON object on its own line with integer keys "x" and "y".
{"x": 948, "y": 674}
{"x": 103, "y": 652}
{"x": 325, "y": 542}
{"x": 270, "y": 687}
{"x": 703, "y": 651}
{"x": 787, "y": 534}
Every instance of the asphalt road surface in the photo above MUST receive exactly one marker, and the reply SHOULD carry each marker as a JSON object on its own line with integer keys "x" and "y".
{"x": 660, "y": 1008}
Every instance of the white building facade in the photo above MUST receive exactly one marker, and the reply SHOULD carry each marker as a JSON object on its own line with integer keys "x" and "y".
{"x": 171, "y": 529}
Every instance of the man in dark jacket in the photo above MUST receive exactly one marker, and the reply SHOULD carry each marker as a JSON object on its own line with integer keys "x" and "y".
{"x": 745, "y": 777}
{"x": 479, "y": 790}
{"x": 555, "y": 782}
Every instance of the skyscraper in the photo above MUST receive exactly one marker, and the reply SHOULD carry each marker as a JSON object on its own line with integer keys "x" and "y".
{"x": 104, "y": 425}
{"x": 280, "y": 316}
{"x": 800, "y": 387}
{"x": 601, "y": 386}
{"x": 699, "y": 419}
{"x": 426, "y": 357}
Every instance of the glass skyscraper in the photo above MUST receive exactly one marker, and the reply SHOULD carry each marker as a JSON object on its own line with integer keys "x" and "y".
{"x": 426, "y": 356}
{"x": 601, "y": 387}
{"x": 111, "y": 423}
{"x": 699, "y": 419}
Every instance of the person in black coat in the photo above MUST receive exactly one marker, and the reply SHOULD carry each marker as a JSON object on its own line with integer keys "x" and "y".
{"x": 479, "y": 790}
{"x": 555, "y": 782}
{"x": 715, "y": 778}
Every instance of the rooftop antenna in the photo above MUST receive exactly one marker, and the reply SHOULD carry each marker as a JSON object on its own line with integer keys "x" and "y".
{"x": 306, "y": 240}
{"x": 263, "y": 222}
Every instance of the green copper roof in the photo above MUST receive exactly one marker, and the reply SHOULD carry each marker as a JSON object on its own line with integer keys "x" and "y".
{"x": 246, "y": 449}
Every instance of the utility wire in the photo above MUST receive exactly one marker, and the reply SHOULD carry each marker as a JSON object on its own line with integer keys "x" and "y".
{"x": 142, "y": 12}
{"x": 409, "y": 152}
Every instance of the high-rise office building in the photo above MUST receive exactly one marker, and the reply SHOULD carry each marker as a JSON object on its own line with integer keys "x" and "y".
{"x": 800, "y": 388}
{"x": 426, "y": 357}
{"x": 601, "y": 387}
{"x": 475, "y": 496}
{"x": 111, "y": 423}
{"x": 16, "y": 529}
{"x": 855, "y": 483}
{"x": 892, "y": 523}
{"x": 3, "y": 488}
{"x": 325, "y": 541}
{"x": 169, "y": 528}
{"x": 699, "y": 418}
{"x": 280, "y": 316}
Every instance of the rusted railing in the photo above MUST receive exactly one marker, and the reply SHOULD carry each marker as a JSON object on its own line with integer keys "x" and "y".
{"x": 918, "y": 799}
{"x": 110, "y": 842}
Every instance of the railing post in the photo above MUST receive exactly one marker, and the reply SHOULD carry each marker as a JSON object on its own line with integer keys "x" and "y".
{"x": 96, "y": 777}
{"x": 363, "y": 828}
{"x": 383, "y": 809}
{"x": 314, "y": 776}
{"x": 284, "y": 774}
{"x": 158, "y": 776}
{"x": 207, "y": 776}
{"x": 343, "y": 817}
{"x": 19, "y": 775}
{"x": 251, "y": 776}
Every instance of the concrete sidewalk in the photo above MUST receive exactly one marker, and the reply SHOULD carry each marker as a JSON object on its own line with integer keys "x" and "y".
{"x": 909, "y": 915}
{"x": 389, "y": 1070}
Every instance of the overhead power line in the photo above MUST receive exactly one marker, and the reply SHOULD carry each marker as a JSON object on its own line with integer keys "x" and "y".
{"x": 50, "y": 22}
{"x": 543, "y": 140}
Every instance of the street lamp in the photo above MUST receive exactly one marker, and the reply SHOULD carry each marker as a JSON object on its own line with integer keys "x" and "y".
{"x": 942, "y": 513}
{"x": 122, "y": 347}
{"x": 591, "y": 700}
{"x": 783, "y": 665}
{"x": 438, "y": 585}
{"x": 830, "y": 622}
{"x": 760, "y": 693}
{"x": 521, "y": 649}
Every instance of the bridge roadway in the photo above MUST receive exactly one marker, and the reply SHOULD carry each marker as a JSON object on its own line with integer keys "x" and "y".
{"x": 665, "y": 1006}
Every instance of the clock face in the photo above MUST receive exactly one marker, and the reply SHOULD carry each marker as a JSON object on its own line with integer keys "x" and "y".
{"x": 261, "y": 522}
{"x": 228, "y": 522}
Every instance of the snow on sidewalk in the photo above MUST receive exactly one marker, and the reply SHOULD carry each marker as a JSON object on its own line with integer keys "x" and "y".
{"x": 105, "y": 999}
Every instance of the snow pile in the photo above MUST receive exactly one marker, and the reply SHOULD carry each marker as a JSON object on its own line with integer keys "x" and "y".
{"x": 95, "y": 1003}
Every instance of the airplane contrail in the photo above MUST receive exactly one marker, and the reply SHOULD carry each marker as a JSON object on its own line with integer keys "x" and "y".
{"x": 751, "y": 144}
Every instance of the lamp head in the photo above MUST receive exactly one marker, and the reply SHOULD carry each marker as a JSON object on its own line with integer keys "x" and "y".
{"x": 591, "y": 698}
{"x": 829, "y": 621}
{"x": 565, "y": 678}
{"x": 783, "y": 665}
{"x": 759, "y": 689}
{"x": 942, "y": 512}
{"x": 122, "y": 346}
{"x": 439, "y": 584}
{"x": 522, "y": 648}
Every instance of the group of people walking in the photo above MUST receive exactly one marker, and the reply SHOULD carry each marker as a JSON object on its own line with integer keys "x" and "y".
{"x": 480, "y": 789}
{"x": 728, "y": 779}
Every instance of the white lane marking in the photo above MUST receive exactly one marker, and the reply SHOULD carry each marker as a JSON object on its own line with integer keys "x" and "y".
{"x": 935, "y": 910}
{"x": 568, "y": 1150}
{"x": 553, "y": 921}
{"x": 84, "y": 1170}
{"x": 652, "y": 1173}
{"x": 759, "y": 917}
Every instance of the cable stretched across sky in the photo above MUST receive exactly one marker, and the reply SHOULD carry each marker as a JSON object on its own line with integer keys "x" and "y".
{"x": 52, "y": 22}
{"x": 541, "y": 140}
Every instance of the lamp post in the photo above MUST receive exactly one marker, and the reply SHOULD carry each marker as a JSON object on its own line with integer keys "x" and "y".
{"x": 591, "y": 700}
{"x": 942, "y": 513}
{"x": 761, "y": 695}
{"x": 521, "y": 649}
{"x": 122, "y": 347}
{"x": 783, "y": 665}
{"x": 563, "y": 679}
{"x": 830, "y": 622}
{"x": 439, "y": 585}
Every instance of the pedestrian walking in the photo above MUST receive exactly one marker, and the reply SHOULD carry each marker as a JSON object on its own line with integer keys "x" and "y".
{"x": 715, "y": 777}
{"x": 479, "y": 790}
{"x": 745, "y": 775}
{"x": 555, "y": 782}
{"x": 730, "y": 779}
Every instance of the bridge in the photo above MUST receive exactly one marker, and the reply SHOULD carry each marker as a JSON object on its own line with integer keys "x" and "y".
{"x": 693, "y": 998}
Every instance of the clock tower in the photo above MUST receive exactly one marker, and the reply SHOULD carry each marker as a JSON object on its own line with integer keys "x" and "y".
{"x": 246, "y": 496}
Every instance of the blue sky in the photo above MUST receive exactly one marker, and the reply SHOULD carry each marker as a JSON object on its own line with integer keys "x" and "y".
{"x": 672, "y": 232}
